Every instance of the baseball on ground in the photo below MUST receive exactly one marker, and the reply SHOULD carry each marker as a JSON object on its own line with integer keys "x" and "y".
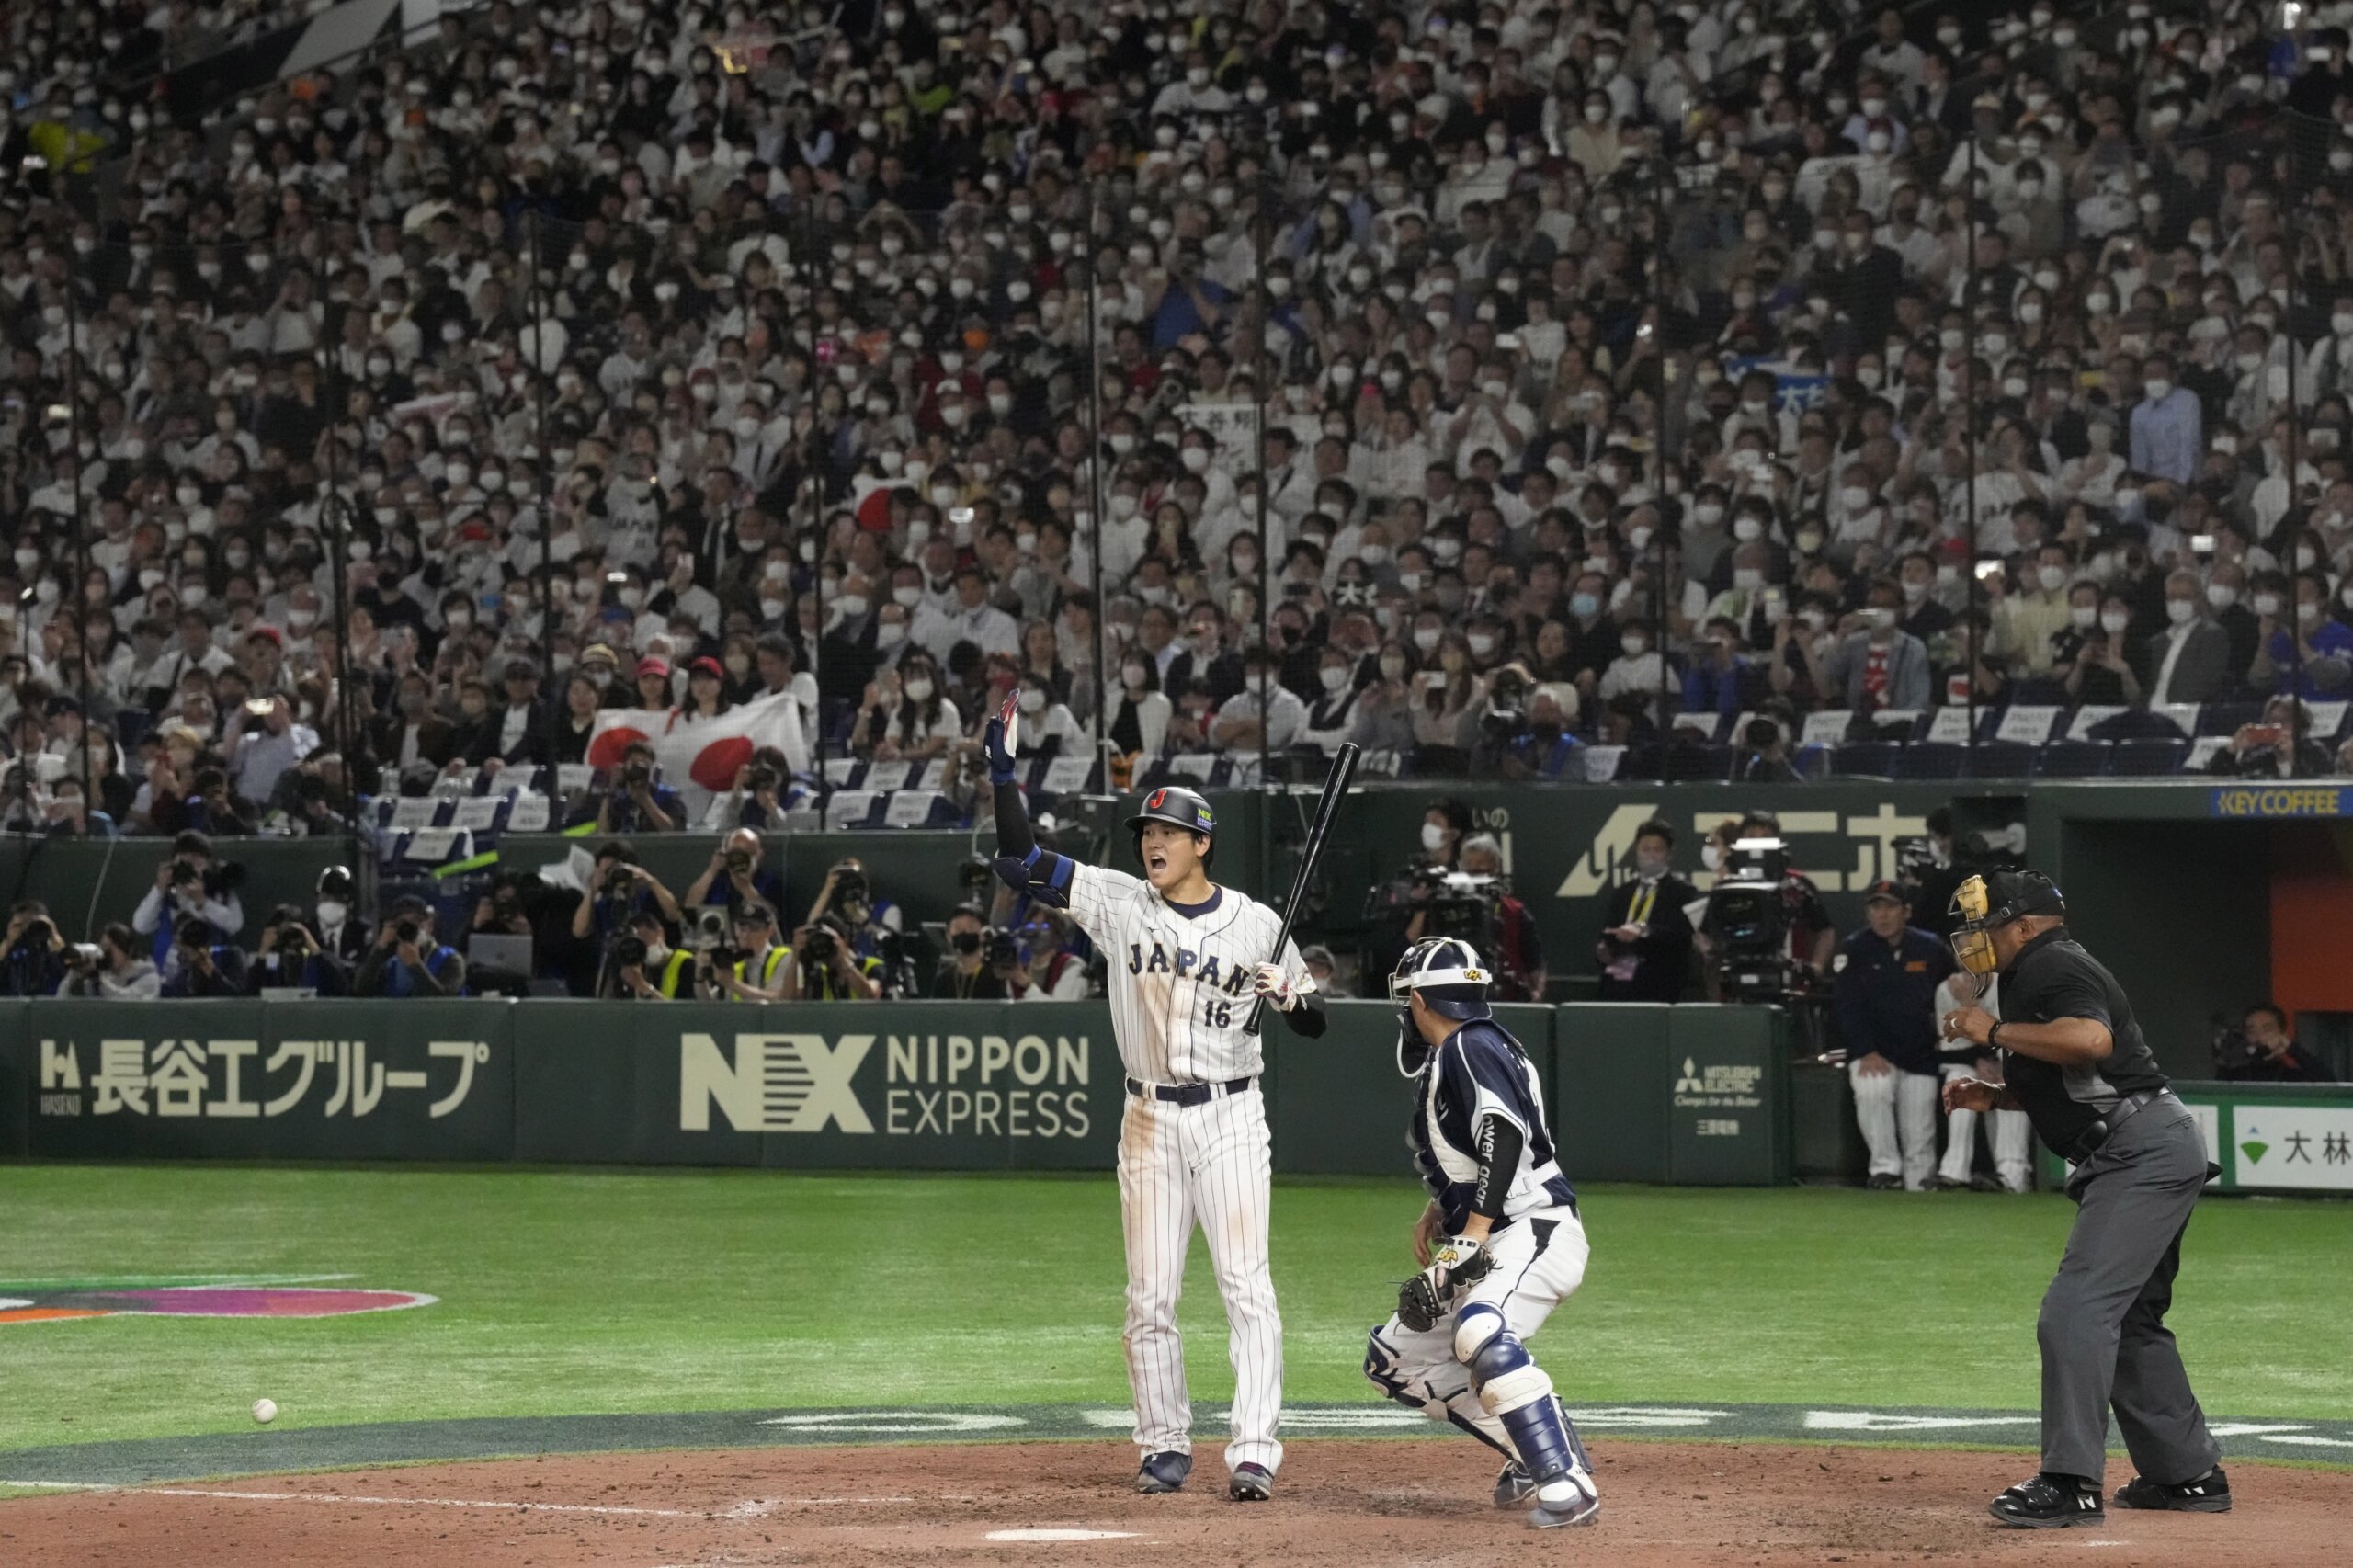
{"x": 265, "y": 1411}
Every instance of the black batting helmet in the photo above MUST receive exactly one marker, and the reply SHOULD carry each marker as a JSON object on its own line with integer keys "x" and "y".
{"x": 1178, "y": 808}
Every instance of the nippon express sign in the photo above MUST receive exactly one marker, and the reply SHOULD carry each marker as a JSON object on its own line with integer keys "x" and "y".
{"x": 892, "y": 1085}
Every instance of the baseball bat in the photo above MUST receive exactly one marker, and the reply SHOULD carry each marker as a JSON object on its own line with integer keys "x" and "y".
{"x": 1344, "y": 770}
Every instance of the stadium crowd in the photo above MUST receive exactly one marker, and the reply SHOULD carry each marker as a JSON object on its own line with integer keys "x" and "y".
{"x": 1639, "y": 381}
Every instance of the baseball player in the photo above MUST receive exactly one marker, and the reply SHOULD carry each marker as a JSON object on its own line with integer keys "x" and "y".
{"x": 1186, "y": 957}
{"x": 1500, "y": 1243}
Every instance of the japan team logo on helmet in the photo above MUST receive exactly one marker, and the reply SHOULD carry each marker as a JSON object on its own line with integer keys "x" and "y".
{"x": 1445, "y": 971}
{"x": 1176, "y": 807}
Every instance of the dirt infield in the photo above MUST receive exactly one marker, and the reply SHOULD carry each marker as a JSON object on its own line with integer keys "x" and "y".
{"x": 1337, "y": 1502}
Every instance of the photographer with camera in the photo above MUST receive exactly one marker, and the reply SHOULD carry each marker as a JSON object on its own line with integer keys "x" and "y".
{"x": 189, "y": 883}
{"x": 757, "y": 800}
{"x": 733, "y": 878}
{"x": 1040, "y": 963}
{"x": 826, "y": 966}
{"x": 617, "y": 888}
{"x": 198, "y": 965}
{"x": 112, "y": 969}
{"x": 291, "y": 957}
{"x": 405, "y": 960}
{"x": 1512, "y": 944}
{"x": 2261, "y": 1051}
{"x": 966, "y": 972}
{"x": 638, "y": 801}
{"x": 646, "y": 968}
{"x": 755, "y": 968}
{"x": 873, "y": 925}
{"x": 32, "y": 959}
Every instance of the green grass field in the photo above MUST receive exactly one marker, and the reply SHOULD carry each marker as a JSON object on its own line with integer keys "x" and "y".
{"x": 632, "y": 1291}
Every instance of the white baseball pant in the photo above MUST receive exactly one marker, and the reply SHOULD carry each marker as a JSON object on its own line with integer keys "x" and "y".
{"x": 1208, "y": 1165}
{"x": 1540, "y": 1259}
{"x": 2011, "y": 1134}
{"x": 1897, "y": 1112}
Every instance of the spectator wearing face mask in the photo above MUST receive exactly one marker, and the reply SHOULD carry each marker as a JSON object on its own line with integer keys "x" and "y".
{"x": 1878, "y": 665}
{"x": 1645, "y": 946}
{"x": 1136, "y": 715}
{"x": 1264, "y": 713}
{"x": 2169, "y": 431}
{"x": 2191, "y": 659}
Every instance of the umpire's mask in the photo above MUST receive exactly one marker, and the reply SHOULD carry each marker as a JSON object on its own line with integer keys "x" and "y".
{"x": 1981, "y": 906}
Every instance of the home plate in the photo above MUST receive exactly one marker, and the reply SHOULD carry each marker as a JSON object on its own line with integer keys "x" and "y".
{"x": 1059, "y": 1535}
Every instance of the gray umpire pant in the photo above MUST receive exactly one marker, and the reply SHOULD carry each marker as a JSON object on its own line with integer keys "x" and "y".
{"x": 2102, "y": 1329}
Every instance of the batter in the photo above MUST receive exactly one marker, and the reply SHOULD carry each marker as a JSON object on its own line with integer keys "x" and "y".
{"x": 1187, "y": 959}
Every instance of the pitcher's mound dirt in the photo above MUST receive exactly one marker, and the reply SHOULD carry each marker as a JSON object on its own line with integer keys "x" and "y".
{"x": 1337, "y": 1503}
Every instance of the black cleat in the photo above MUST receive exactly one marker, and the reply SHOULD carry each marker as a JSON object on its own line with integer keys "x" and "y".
{"x": 1251, "y": 1483}
{"x": 2210, "y": 1493}
{"x": 1164, "y": 1471}
{"x": 1883, "y": 1182}
{"x": 2048, "y": 1503}
{"x": 1514, "y": 1488}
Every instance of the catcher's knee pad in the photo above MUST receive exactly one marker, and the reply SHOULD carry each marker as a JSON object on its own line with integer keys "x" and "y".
{"x": 1386, "y": 1371}
{"x": 1474, "y": 1326}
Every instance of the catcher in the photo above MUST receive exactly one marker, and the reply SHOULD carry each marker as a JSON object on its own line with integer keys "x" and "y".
{"x": 1500, "y": 1243}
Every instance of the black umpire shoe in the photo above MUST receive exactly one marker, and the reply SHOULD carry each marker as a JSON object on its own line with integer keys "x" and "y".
{"x": 1164, "y": 1471}
{"x": 2050, "y": 1502}
{"x": 2210, "y": 1493}
{"x": 1251, "y": 1483}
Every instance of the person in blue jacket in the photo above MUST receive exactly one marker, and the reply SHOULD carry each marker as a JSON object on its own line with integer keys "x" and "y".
{"x": 1884, "y": 999}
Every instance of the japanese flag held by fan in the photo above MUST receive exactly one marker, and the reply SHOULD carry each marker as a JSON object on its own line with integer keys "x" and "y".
{"x": 699, "y": 756}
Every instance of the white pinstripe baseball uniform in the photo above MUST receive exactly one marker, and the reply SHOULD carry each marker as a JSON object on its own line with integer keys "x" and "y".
{"x": 1181, "y": 978}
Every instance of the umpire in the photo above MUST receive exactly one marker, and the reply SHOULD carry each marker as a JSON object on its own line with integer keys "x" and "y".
{"x": 2074, "y": 1061}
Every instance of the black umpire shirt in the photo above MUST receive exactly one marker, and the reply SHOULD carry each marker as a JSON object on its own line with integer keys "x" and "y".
{"x": 2053, "y": 978}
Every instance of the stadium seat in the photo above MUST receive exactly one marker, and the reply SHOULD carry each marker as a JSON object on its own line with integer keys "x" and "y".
{"x": 2146, "y": 759}
{"x": 1999, "y": 759}
{"x": 1931, "y": 760}
{"x": 2225, "y": 718}
{"x": 1867, "y": 759}
{"x": 2071, "y": 759}
{"x": 1698, "y": 763}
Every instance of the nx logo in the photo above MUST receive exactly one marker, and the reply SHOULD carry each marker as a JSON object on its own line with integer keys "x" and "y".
{"x": 775, "y": 1083}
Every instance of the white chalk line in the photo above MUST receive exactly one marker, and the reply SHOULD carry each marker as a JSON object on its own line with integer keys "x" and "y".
{"x": 754, "y": 1508}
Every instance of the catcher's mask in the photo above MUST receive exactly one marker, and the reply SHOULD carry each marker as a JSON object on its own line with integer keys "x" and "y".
{"x": 1981, "y": 906}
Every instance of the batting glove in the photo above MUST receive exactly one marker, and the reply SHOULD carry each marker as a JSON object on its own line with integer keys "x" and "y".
{"x": 999, "y": 740}
{"x": 1279, "y": 989}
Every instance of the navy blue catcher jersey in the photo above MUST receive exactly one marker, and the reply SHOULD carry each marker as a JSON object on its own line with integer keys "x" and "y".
{"x": 1481, "y": 1072}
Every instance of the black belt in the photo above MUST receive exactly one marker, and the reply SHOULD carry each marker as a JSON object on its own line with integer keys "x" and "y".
{"x": 1187, "y": 1094}
{"x": 2093, "y": 1137}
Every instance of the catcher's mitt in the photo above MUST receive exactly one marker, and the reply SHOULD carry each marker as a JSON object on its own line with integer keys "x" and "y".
{"x": 1428, "y": 1296}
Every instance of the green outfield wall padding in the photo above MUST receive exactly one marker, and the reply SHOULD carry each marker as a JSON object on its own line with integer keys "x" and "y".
{"x": 1611, "y": 1092}
{"x": 412, "y": 1080}
{"x": 1728, "y": 1107}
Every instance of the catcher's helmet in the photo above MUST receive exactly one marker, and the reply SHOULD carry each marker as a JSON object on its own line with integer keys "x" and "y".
{"x": 1448, "y": 973}
{"x": 1178, "y": 808}
{"x": 1452, "y": 982}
